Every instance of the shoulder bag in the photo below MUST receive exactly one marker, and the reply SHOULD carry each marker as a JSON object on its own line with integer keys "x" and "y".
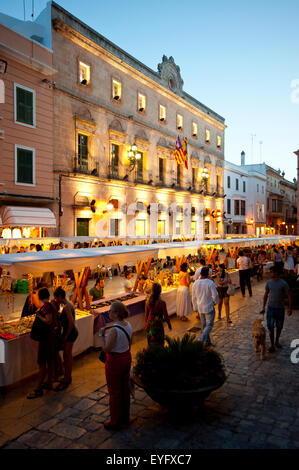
{"x": 102, "y": 356}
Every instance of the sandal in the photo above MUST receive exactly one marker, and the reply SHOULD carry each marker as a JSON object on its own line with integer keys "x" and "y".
{"x": 63, "y": 385}
{"x": 35, "y": 394}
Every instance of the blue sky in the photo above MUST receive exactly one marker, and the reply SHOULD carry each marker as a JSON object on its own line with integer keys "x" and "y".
{"x": 237, "y": 57}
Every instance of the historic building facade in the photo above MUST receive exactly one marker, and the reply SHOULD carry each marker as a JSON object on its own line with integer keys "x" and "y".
{"x": 245, "y": 206}
{"x": 116, "y": 124}
{"x": 26, "y": 136}
{"x": 281, "y": 200}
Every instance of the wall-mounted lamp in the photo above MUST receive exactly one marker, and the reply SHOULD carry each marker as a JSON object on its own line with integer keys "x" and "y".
{"x": 3, "y": 66}
{"x": 92, "y": 205}
{"x": 133, "y": 156}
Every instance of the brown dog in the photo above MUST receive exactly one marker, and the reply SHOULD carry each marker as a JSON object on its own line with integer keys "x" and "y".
{"x": 259, "y": 337}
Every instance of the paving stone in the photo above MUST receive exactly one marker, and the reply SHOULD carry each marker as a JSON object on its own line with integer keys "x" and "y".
{"x": 48, "y": 424}
{"x": 98, "y": 408}
{"x": 94, "y": 439}
{"x": 97, "y": 395}
{"x": 15, "y": 445}
{"x": 91, "y": 425}
{"x": 65, "y": 413}
{"x": 67, "y": 430}
{"x": 35, "y": 439}
{"x": 58, "y": 443}
{"x": 84, "y": 404}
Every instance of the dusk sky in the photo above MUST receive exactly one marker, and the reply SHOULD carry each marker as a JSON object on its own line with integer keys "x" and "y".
{"x": 237, "y": 57}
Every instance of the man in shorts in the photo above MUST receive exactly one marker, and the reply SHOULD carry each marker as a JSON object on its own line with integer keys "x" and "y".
{"x": 276, "y": 290}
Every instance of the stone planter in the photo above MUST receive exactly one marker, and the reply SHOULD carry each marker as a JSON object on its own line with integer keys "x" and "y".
{"x": 178, "y": 399}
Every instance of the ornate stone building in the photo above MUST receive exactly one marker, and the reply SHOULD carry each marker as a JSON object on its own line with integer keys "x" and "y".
{"x": 116, "y": 124}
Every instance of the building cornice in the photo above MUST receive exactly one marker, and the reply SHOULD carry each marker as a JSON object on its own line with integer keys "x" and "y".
{"x": 116, "y": 62}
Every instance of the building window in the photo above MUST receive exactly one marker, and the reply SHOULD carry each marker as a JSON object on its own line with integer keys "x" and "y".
{"x": 193, "y": 227}
{"x": 279, "y": 205}
{"x": 262, "y": 189}
{"x": 140, "y": 227}
{"x": 263, "y": 211}
{"x": 179, "y": 122}
{"x": 140, "y": 168}
{"x": 273, "y": 205}
{"x": 243, "y": 207}
{"x": 24, "y": 106}
{"x": 83, "y": 227}
{"x": 116, "y": 90}
{"x": 84, "y": 74}
{"x": 162, "y": 113}
{"x": 244, "y": 186}
{"x": 24, "y": 165}
{"x": 218, "y": 141}
{"x": 178, "y": 227}
{"x": 228, "y": 206}
{"x": 114, "y": 227}
{"x": 207, "y": 227}
{"x": 237, "y": 184}
{"x": 114, "y": 159}
{"x": 161, "y": 227}
{"x": 82, "y": 152}
{"x": 194, "y": 129}
{"x": 257, "y": 188}
{"x": 237, "y": 207}
{"x": 218, "y": 187}
{"x": 178, "y": 175}
{"x": 268, "y": 204}
{"x": 141, "y": 103}
{"x": 228, "y": 181}
{"x": 161, "y": 170}
{"x": 194, "y": 177}
{"x": 208, "y": 136}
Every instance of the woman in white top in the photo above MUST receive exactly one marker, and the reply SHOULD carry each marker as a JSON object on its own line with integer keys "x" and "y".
{"x": 289, "y": 264}
{"x": 128, "y": 283}
{"x": 116, "y": 343}
{"x": 244, "y": 265}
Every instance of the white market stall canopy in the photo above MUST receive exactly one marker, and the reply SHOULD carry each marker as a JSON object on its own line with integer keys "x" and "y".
{"x": 14, "y": 216}
{"x": 58, "y": 261}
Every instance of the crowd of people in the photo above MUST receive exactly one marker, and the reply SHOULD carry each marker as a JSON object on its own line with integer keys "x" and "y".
{"x": 208, "y": 290}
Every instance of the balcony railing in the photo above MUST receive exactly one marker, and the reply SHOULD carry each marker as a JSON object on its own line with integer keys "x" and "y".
{"x": 87, "y": 166}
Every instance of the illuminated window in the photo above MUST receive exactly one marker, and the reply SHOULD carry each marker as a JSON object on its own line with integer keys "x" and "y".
{"x": 179, "y": 122}
{"x": 162, "y": 113}
{"x": 263, "y": 211}
{"x": 194, "y": 129}
{"x": 257, "y": 210}
{"x": 84, "y": 74}
{"x": 114, "y": 159}
{"x": 161, "y": 227}
{"x": 140, "y": 227}
{"x": 116, "y": 90}
{"x": 178, "y": 175}
{"x": 218, "y": 141}
{"x": 207, "y": 227}
{"x": 141, "y": 103}
{"x": 193, "y": 227}
{"x": 208, "y": 136}
{"x": 114, "y": 227}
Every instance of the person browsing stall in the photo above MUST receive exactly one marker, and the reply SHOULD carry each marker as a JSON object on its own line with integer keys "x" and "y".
{"x": 97, "y": 292}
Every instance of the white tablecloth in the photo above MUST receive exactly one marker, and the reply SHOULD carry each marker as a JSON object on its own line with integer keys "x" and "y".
{"x": 21, "y": 353}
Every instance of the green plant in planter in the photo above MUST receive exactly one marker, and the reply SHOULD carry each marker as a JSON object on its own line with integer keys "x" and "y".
{"x": 183, "y": 364}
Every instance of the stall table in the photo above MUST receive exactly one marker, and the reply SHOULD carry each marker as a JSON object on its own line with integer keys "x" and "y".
{"x": 20, "y": 354}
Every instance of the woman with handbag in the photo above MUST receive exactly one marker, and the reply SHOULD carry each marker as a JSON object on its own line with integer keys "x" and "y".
{"x": 44, "y": 330}
{"x": 222, "y": 283}
{"x": 116, "y": 341}
{"x": 68, "y": 337}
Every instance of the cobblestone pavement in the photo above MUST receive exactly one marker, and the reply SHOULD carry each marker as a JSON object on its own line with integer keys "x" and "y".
{"x": 258, "y": 407}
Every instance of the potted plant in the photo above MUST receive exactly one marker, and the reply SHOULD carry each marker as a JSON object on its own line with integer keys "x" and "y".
{"x": 181, "y": 374}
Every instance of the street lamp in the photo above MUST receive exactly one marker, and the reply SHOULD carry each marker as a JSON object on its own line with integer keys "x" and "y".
{"x": 133, "y": 156}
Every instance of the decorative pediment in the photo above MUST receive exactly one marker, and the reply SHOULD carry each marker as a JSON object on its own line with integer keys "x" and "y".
{"x": 195, "y": 156}
{"x": 141, "y": 135}
{"x": 84, "y": 121}
{"x": 219, "y": 163}
{"x": 116, "y": 125}
{"x": 170, "y": 74}
{"x": 207, "y": 159}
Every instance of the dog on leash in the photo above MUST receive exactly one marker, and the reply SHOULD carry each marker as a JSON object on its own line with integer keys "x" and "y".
{"x": 259, "y": 337}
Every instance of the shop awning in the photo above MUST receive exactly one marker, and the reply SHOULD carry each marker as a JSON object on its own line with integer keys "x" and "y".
{"x": 14, "y": 216}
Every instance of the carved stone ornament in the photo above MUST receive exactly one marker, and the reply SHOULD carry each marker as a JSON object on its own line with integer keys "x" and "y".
{"x": 219, "y": 163}
{"x": 170, "y": 74}
{"x": 207, "y": 159}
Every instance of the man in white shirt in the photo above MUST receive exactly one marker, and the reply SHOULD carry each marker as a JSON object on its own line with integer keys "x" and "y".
{"x": 204, "y": 298}
{"x": 244, "y": 265}
{"x": 197, "y": 274}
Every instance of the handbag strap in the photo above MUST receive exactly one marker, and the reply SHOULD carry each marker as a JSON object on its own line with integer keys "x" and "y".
{"x": 120, "y": 328}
